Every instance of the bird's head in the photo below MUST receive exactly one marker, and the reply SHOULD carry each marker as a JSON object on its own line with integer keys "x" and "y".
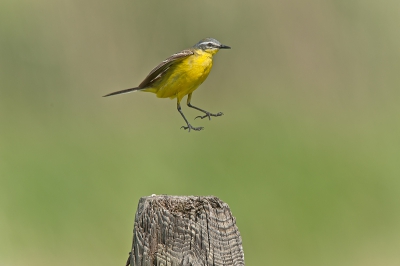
{"x": 210, "y": 45}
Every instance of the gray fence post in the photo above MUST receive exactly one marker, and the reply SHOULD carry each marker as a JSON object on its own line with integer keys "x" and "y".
{"x": 185, "y": 231}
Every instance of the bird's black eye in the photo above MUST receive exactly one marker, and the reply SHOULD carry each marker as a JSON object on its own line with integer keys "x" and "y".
{"x": 210, "y": 44}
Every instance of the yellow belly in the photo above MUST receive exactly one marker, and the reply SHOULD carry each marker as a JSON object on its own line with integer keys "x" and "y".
{"x": 184, "y": 77}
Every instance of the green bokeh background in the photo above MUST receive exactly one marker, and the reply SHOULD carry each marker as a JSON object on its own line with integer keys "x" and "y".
{"x": 307, "y": 154}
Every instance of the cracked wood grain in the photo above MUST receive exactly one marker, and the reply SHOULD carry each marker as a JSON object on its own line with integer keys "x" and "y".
{"x": 185, "y": 231}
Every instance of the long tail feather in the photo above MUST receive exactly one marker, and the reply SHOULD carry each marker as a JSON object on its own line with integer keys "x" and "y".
{"x": 123, "y": 91}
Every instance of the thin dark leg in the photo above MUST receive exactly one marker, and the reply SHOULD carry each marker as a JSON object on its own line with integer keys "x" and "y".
{"x": 207, "y": 114}
{"x": 189, "y": 126}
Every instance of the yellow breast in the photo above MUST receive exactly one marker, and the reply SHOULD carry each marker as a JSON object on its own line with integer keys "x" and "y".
{"x": 184, "y": 77}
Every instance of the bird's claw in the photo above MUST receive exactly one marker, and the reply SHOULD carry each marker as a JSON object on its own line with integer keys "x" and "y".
{"x": 209, "y": 115}
{"x": 189, "y": 127}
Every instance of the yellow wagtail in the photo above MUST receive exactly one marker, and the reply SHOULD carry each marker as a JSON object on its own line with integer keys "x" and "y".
{"x": 180, "y": 74}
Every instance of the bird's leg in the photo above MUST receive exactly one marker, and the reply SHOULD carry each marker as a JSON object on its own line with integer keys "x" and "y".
{"x": 189, "y": 126}
{"x": 207, "y": 114}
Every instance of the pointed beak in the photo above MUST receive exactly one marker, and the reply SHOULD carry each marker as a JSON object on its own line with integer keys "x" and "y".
{"x": 223, "y": 46}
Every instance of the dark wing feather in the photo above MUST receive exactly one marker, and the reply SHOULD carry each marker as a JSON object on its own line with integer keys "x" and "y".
{"x": 159, "y": 70}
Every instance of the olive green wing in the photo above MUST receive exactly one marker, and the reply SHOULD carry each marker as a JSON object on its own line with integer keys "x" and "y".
{"x": 159, "y": 70}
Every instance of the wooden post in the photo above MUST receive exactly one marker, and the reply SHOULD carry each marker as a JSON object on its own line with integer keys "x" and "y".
{"x": 185, "y": 231}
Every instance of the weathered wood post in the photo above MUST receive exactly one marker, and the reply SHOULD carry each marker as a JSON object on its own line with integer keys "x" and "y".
{"x": 185, "y": 231}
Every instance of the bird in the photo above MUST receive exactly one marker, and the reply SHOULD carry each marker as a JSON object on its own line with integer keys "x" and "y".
{"x": 180, "y": 75}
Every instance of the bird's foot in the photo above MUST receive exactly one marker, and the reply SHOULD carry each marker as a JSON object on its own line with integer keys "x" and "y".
{"x": 209, "y": 115}
{"x": 189, "y": 127}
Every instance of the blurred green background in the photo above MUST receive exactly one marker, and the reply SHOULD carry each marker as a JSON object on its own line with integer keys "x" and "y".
{"x": 307, "y": 154}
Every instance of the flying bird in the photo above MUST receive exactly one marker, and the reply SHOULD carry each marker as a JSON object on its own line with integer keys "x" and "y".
{"x": 180, "y": 75}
